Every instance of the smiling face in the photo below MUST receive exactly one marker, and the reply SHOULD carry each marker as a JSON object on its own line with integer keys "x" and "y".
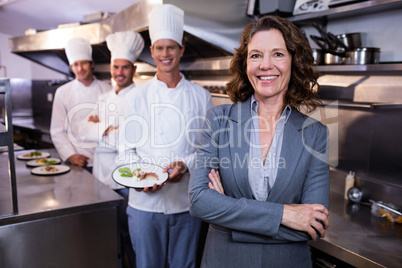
{"x": 83, "y": 71}
{"x": 269, "y": 65}
{"x": 166, "y": 54}
{"x": 122, "y": 72}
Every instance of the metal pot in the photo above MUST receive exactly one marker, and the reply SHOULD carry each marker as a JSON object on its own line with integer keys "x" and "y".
{"x": 351, "y": 40}
{"x": 318, "y": 56}
{"x": 332, "y": 59}
{"x": 363, "y": 55}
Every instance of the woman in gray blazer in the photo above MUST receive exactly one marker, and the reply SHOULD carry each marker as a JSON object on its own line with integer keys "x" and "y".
{"x": 261, "y": 179}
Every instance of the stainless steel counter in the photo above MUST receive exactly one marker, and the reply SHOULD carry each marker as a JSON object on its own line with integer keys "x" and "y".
{"x": 60, "y": 219}
{"x": 51, "y": 195}
{"x": 357, "y": 237}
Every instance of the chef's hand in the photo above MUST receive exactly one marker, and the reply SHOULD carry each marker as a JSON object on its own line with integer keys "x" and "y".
{"x": 310, "y": 218}
{"x": 178, "y": 170}
{"x": 215, "y": 182}
{"x": 153, "y": 189}
{"x": 93, "y": 118}
{"x": 78, "y": 160}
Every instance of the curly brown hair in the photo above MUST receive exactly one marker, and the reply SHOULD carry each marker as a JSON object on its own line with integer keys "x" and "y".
{"x": 303, "y": 86}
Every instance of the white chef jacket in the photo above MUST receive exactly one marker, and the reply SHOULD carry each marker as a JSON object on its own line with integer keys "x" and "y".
{"x": 109, "y": 108}
{"x": 158, "y": 124}
{"x": 72, "y": 103}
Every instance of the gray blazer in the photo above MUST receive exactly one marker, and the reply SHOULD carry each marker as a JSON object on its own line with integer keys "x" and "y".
{"x": 303, "y": 176}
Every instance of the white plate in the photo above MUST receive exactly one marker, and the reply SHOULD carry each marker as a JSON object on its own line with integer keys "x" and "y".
{"x": 43, "y": 162}
{"x": 26, "y": 156}
{"x": 132, "y": 182}
{"x": 60, "y": 169}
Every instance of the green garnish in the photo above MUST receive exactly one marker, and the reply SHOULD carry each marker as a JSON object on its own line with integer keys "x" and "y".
{"x": 126, "y": 172}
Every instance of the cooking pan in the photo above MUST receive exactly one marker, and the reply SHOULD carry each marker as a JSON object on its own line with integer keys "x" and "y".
{"x": 318, "y": 55}
{"x": 363, "y": 55}
{"x": 332, "y": 59}
{"x": 350, "y": 40}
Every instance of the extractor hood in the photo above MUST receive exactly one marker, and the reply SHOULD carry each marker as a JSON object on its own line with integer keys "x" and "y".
{"x": 211, "y": 31}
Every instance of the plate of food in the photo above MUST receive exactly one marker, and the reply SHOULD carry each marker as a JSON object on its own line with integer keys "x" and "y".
{"x": 50, "y": 170}
{"x": 33, "y": 155}
{"x": 43, "y": 162}
{"x": 139, "y": 175}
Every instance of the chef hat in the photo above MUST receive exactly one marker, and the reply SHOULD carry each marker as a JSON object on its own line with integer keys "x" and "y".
{"x": 125, "y": 45}
{"x": 78, "y": 49}
{"x": 166, "y": 22}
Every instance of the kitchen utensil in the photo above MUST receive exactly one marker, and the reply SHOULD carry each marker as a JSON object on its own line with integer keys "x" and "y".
{"x": 333, "y": 59}
{"x": 350, "y": 40}
{"x": 392, "y": 213}
{"x": 43, "y": 162}
{"x": 321, "y": 43}
{"x": 33, "y": 155}
{"x": 327, "y": 39}
{"x": 338, "y": 44}
{"x": 122, "y": 176}
{"x": 50, "y": 170}
{"x": 318, "y": 56}
{"x": 355, "y": 195}
{"x": 363, "y": 55}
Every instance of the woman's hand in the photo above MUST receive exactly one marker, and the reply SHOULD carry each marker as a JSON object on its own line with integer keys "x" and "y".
{"x": 215, "y": 181}
{"x": 310, "y": 218}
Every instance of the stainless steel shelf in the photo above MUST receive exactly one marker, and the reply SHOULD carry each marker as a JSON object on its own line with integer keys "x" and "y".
{"x": 389, "y": 67}
{"x": 358, "y": 9}
{"x": 358, "y": 105}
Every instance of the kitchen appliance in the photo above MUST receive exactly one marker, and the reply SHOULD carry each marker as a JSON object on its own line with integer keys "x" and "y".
{"x": 336, "y": 3}
{"x": 276, "y": 6}
{"x": 307, "y": 6}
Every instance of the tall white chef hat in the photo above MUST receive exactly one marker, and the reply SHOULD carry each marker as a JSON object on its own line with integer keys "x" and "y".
{"x": 166, "y": 22}
{"x": 125, "y": 45}
{"x": 78, "y": 49}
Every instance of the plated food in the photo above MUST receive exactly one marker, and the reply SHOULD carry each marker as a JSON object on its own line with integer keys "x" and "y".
{"x": 50, "y": 170}
{"x": 33, "y": 155}
{"x": 43, "y": 162}
{"x": 139, "y": 175}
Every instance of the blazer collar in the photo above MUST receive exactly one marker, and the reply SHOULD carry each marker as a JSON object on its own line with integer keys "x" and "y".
{"x": 240, "y": 114}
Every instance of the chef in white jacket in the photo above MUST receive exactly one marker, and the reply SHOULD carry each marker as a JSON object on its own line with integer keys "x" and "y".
{"x": 101, "y": 125}
{"x": 162, "y": 117}
{"x": 73, "y": 102}
{"x": 125, "y": 47}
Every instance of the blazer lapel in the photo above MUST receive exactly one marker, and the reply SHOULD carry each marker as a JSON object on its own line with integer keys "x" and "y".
{"x": 292, "y": 148}
{"x": 240, "y": 116}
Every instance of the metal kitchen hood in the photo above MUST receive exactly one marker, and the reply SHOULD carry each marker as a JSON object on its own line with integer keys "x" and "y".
{"x": 211, "y": 31}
